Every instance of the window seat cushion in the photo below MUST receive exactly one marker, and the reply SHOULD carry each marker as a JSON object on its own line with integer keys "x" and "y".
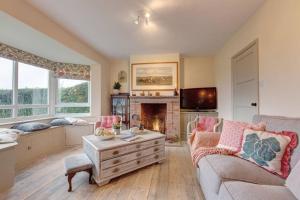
{"x": 60, "y": 122}
{"x": 31, "y": 126}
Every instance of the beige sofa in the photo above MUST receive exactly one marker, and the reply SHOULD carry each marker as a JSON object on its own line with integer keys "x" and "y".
{"x": 231, "y": 178}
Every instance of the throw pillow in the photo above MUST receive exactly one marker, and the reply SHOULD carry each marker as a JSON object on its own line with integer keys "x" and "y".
{"x": 77, "y": 121}
{"x": 31, "y": 126}
{"x": 60, "y": 122}
{"x": 232, "y": 134}
{"x": 272, "y": 151}
{"x": 206, "y": 124}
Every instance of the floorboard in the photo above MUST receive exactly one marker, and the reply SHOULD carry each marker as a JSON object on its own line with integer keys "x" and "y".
{"x": 174, "y": 179}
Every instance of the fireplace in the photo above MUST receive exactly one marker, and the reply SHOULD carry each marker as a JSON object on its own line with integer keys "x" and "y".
{"x": 153, "y": 116}
{"x": 157, "y": 113}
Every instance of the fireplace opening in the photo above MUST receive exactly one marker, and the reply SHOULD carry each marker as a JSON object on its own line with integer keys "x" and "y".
{"x": 153, "y": 116}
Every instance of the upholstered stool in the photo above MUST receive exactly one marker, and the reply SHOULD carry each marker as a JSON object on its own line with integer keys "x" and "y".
{"x": 78, "y": 163}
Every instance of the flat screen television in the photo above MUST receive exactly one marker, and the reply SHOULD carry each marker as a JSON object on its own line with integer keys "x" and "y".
{"x": 198, "y": 98}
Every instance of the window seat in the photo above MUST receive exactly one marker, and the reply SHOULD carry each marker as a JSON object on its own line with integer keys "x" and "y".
{"x": 38, "y": 144}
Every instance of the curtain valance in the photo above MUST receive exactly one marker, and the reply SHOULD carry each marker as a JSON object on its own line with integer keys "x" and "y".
{"x": 61, "y": 70}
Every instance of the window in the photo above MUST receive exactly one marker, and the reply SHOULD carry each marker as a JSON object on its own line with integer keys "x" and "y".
{"x": 72, "y": 96}
{"x": 6, "y": 88}
{"x": 25, "y": 92}
{"x": 32, "y": 90}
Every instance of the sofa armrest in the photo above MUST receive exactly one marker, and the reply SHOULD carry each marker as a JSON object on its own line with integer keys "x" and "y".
{"x": 204, "y": 139}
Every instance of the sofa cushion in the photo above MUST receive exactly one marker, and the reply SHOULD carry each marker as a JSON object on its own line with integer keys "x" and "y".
{"x": 293, "y": 181}
{"x": 232, "y": 133}
{"x": 269, "y": 150}
{"x": 236, "y": 190}
{"x": 31, "y": 126}
{"x": 215, "y": 169}
{"x": 278, "y": 124}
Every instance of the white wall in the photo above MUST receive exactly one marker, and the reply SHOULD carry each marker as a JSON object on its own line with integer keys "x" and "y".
{"x": 172, "y": 57}
{"x": 197, "y": 72}
{"x": 115, "y": 67}
{"x": 276, "y": 25}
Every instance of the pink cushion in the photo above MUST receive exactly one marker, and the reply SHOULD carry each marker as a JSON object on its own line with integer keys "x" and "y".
{"x": 206, "y": 124}
{"x": 107, "y": 121}
{"x": 232, "y": 134}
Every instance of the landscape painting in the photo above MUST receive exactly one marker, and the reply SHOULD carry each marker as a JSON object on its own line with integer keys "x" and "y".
{"x": 154, "y": 76}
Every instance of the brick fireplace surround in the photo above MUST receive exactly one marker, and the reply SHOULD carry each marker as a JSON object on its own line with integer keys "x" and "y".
{"x": 172, "y": 122}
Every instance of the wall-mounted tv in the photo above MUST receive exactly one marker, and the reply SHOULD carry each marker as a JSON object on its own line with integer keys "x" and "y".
{"x": 198, "y": 98}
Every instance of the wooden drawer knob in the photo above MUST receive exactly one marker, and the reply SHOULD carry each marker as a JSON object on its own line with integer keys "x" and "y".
{"x": 138, "y": 154}
{"x": 115, "y": 153}
{"x": 156, "y": 142}
{"x": 138, "y": 146}
{"x": 116, "y": 162}
{"x": 138, "y": 162}
{"x": 156, "y": 156}
{"x": 156, "y": 149}
{"x": 115, "y": 170}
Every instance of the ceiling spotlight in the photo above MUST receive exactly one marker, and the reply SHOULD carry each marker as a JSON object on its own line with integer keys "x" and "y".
{"x": 143, "y": 18}
{"x": 137, "y": 20}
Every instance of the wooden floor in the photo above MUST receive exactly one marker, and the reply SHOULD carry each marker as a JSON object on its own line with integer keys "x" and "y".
{"x": 173, "y": 179}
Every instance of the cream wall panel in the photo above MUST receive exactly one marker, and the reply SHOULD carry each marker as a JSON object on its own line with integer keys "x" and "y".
{"x": 275, "y": 25}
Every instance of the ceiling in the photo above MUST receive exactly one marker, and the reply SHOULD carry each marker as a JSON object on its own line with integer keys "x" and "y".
{"x": 22, "y": 36}
{"x": 189, "y": 27}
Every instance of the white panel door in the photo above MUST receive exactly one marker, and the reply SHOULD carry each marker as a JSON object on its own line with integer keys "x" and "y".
{"x": 245, "y": 84}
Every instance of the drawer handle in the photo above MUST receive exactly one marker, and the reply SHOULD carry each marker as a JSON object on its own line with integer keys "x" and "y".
{"x": 138, "y": 162}
{"x": 138, "y": 154}
{"x": 115, "y": 153}
{"x": 156, "y": 142}
{"x": 156, "y": 156}
{"x": 116, "y": 162}
{"x": 156, "y": 149}
{"x": 115, "y": 170}
{"x": 138, "y": 146}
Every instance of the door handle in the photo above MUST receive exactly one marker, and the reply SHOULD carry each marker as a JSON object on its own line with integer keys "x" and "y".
{"x": 253, "y": 104}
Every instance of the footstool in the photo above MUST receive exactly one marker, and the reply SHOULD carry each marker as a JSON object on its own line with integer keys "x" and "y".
{"x": 77, "y": 163}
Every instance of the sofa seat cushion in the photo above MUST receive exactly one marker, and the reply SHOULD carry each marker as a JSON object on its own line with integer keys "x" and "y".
{"x": 236, "y": 190}
{"x": 216, "y": 169}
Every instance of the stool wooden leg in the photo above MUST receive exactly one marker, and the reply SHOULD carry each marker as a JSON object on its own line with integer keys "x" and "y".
{"x": 90, "y": 177}
{"x": 70, "y": 176}
{"x": 90, "y": 171}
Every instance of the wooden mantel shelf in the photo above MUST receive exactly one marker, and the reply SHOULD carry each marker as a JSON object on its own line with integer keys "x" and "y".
{"x": 154, "y": 97}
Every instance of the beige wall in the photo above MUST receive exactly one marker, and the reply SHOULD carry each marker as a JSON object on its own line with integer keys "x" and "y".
{"x": 276, "y": 25}
{"x": 194, "y": 71}
{"x": 197, "y": 72}
{"x": 172, "y": 57}
{"x": 100, "y": 71}
{"x": 115, "y": 67}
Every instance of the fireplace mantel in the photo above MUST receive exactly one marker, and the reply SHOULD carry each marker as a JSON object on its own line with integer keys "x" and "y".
{"x": 154, "y": 97}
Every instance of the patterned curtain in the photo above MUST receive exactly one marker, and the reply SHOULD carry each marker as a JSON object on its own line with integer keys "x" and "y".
{"x": 61, "y": 70}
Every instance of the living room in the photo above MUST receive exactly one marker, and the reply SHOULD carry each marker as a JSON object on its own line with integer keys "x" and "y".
{"x": 149, "y": 99}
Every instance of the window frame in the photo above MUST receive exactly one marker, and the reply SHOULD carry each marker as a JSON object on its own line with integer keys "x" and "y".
{"x": 58, "y": 104}
{"x": 15, "y": 106}
{"x": 52, "y": 100}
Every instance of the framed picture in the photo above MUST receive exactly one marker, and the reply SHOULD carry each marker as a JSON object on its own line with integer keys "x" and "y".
{"x": 154, "y": 76}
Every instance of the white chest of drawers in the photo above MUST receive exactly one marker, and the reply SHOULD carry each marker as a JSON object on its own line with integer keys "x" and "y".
{"x": 113, "y": 158}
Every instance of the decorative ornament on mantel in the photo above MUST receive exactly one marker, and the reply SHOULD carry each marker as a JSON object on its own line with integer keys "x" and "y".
{"x": 116, "y": 88}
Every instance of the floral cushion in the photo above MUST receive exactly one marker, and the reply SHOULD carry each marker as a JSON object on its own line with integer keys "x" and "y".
{"x": 232, "y": 134}
{"x": 269, "y": 150}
